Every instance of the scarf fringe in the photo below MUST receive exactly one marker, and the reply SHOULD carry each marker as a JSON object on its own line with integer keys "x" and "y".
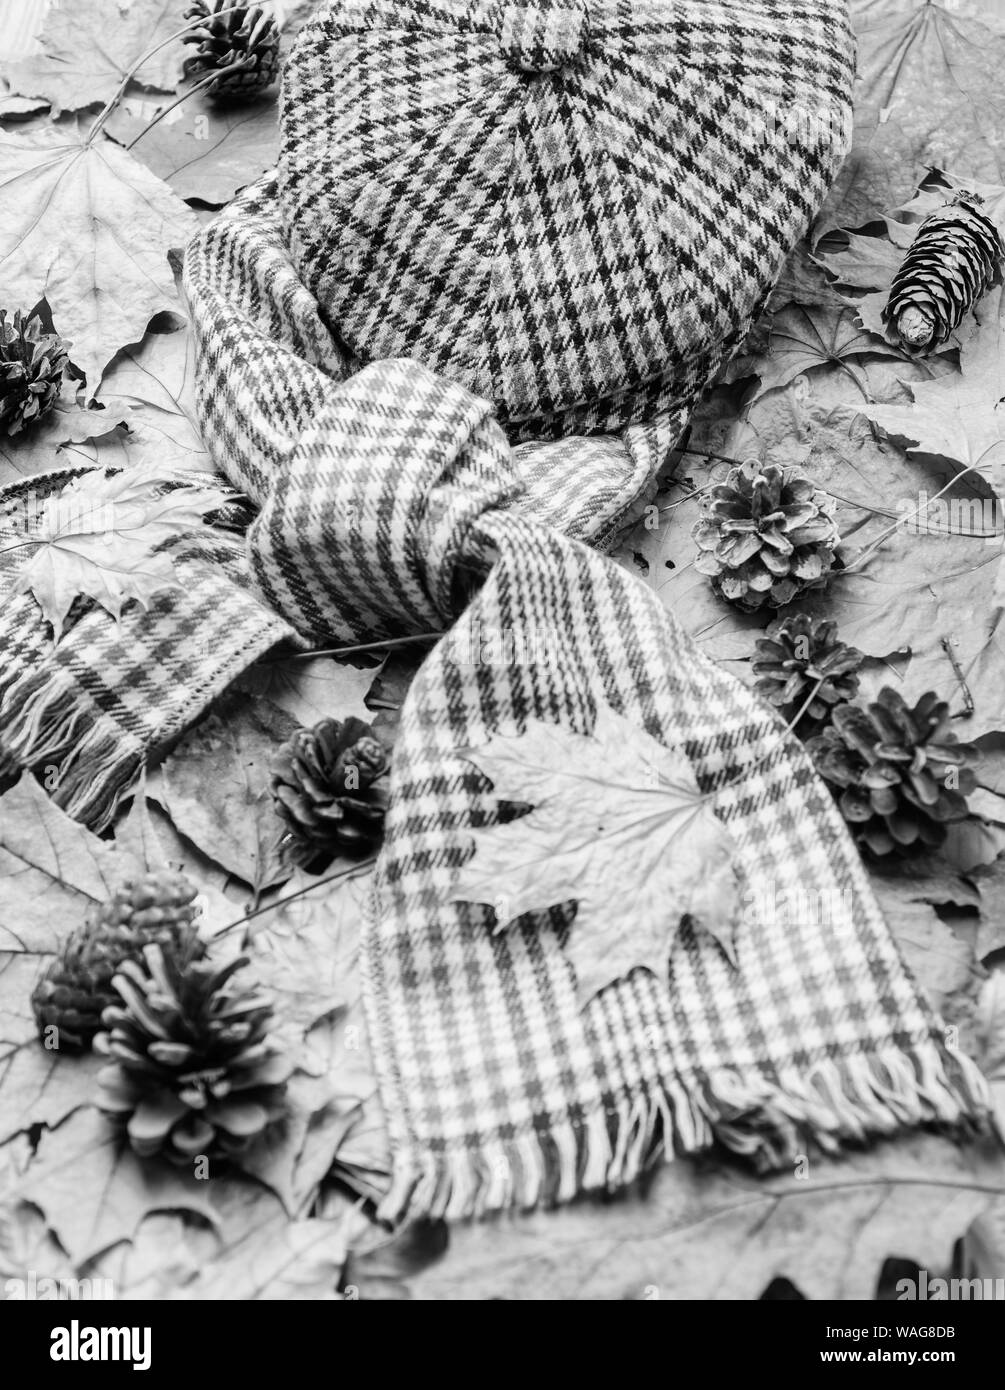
{"x": 839, "y": 1102}
{"x": 43, "y": 728}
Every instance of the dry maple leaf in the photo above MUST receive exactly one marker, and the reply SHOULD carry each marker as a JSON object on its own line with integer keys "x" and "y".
{"x": 203, "y": 150}
{"x": 87, "y": 50}
{"x": 42, "y": 447}
{"x": 153, "y": 387}
{"x": 620, "y": 826}
{"x": 805, "y": 338}
{"x": 99, "y": 537}
{"x": 928, "y": 95}
{"x": 88, "y": 228}
{"x": 960, "y": 417}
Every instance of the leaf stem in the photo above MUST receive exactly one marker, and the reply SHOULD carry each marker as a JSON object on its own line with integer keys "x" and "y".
{"x": 870, "y": 549}
{"x": 390, "y": 644}
{"x": 141, "y": 62}
{"x": 192, "y": 91}
{"x": 346, "y": 874}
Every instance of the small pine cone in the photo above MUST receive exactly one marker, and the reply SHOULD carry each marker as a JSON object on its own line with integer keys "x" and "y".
{"x": 77, "y": 986}
{"x": 953, "y": 261}
{"x": 192, "y": 1071}
{"x": 765, "y": 536}
{"x": 31, "y": 371}
{"x": 330, "y": 787}
{"x": 246, "y": 40}
{"x": 795, "y": 654}
{"x": 899, "y": 774}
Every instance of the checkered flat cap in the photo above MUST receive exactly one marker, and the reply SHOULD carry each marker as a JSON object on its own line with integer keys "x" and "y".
{"x": 574, "y": 208}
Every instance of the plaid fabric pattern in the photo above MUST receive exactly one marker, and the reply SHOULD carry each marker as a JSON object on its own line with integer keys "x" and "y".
{"x": 571, "y": 209}
{"x": 444, "y": 350}
{"x": 90, "y": 708}
{"x": 498, "y": 1089}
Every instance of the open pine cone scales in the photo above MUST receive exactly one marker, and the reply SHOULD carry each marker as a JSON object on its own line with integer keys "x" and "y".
{"x": 31, "y": 371}
{"x": 900, "y": 774}
{"x": 245, "y": 41}
{"x": 77, "y": 987}
{"x": 765, "y": 535}
{"x": 192, "y": 1070}
{"x": 800, "y": 659}
{"x": 330, "y": 787}
{"x": 954, "y": 259}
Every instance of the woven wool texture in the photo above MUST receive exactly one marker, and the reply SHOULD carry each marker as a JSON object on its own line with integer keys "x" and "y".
{"x": 444, "y": 350}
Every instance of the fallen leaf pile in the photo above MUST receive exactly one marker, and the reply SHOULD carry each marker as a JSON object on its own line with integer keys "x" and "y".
{"x": 99, "y": 194}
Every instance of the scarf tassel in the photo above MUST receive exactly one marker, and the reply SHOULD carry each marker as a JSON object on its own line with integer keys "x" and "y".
{"x": 85, "y": 763}
{"x": 837, "y": 1101}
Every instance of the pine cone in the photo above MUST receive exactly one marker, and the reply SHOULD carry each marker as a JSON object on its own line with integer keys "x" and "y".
{"x": 192, "y": 1071}
{"x": 954, "y": 259}
{"x": 248, "y": 37}
{"x": 901, "y": 773}
{"x": 765, "y": 535}
{"x": 792, "y": 656}
{"x": 31, "y": 371}
{"x": 329, "y": 784}
{"x": 78, "y": 984}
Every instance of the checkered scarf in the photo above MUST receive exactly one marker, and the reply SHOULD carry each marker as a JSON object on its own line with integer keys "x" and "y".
{"x": 435, "y": 433}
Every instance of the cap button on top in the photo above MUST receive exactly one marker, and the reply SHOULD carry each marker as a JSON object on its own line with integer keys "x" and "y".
{"x": 544, "y": 37}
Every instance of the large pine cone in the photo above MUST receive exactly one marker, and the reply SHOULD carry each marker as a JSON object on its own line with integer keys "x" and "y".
{"x": 77, "y": 986}
{"x": 765, "y": 535}
{"x": 954, "y": 259}
{"x": 900, "y": 772}
{"x": 31, "y": 371}
{"x": 330, "y": 787}
{"x": 192, "y": 1070}
{"x": 246, "y": 40}
{"x": 799, "y": 655}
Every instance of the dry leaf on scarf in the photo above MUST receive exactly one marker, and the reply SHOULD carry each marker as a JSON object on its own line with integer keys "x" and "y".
{"x": 620, "y": 826}
{"x": 87, "y": 50}
{"x": 99, "y": 536}
{"x": 88, "y": 228}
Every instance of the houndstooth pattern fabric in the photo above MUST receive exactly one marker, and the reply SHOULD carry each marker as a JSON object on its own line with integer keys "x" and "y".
{"x": 444, "y": 351}
{"x": 86, "y": 711}
{"x": 572, "y": 209}
{"x": 498, "y": 1089}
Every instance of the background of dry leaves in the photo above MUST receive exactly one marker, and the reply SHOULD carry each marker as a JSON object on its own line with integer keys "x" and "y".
{"x": 816, "y": 386}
